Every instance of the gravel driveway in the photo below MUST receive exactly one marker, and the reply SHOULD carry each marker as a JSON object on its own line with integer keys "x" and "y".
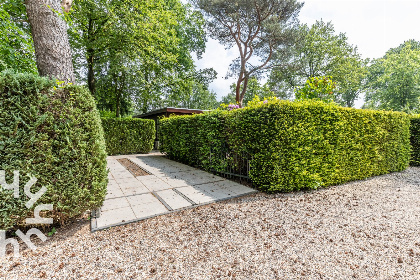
{"x": 361, "y": 230}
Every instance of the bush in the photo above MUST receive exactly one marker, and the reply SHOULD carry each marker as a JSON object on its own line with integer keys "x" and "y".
{"x": 107, "y": 114}
{"x": 294, "y": 145}
{"x": 56, "y": 136}
{"x": 128, "y": 136}
{"x": 321, "y": 88}
{"x": 190, "y": 138}
{"x": 415, "y": 140}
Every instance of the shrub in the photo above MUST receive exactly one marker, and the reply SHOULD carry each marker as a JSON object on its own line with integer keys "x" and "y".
{"x": 56, "y": 136}
{"x": 415, "y": 140}
{"x": 190, "y": 138}
{"x": 294, "y": 145}
{"x": 105, "y": 114}
{"x": 321, "y": 88}
{"x": 128, "y": 136}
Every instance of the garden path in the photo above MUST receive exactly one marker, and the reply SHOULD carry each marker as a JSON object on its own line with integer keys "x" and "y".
{"x": 170, "y": 186}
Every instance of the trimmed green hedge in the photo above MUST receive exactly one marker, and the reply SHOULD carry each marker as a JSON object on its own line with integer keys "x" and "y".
{"x": 293, "y": 145}
{"x": 56, "y": 136}
{"x": 128, "y": 136}
{"x": 415, "y": 140}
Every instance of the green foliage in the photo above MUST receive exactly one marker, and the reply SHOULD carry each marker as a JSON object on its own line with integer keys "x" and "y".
{"x": 128, "y": 136}
{"x": 293, "y": 145}
{"x": 52, "y": 232}
{"x": 55, "y": 135}
{"x": 17, "y": 11}
{"x": 16, "y": 46}
{"x": 415, "y": 140}
{"x": 414, "y": 45}
{"x": 393, "y": 82}
{"x": 113, "y": 39}
{"x": 196, "y": 95}
{"x": 321, "y": 88}
{"x": 190, "y": 138}
{"x": 201, "y": 98}
{"x": 320, "y": 52}
{"x": 138, "y": 53}
{"x": 257, "y": 101}
{"x": 254, "y": 89}
{"x": 107, "y": 114}
{"x": 256, "y": 28}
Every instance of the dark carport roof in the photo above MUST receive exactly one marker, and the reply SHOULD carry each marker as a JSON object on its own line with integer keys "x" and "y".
{"x": 170, "y": 110}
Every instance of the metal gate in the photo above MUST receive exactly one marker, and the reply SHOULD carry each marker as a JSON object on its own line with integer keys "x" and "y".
{"x": 230, "y": 164}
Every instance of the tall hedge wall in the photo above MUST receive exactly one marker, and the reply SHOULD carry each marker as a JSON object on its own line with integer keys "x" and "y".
{"x": 415, "y": 140}
{"x": 128, "y": 136}
{"x": 56, "y": 136}
{"x": 294, "y": 145}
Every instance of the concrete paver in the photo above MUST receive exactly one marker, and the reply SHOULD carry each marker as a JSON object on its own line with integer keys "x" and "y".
{"x": 175, "y": 183}
{"x": 120, "y": 175}
{"x": 196, "y": 195}
{"x": 147, "y": 198}
{"x": 113, "y": 217}
{"x": 130, "y": 182}
{"x": 115, "y": 203}
{"x": 114, "y": 193}
{"x": 146, "y": 205}
{"x": 173, "y": 199}
{"x": 171, "y": 186}
{"x": 155, "y": 184}
{"x": 128, "y": 191}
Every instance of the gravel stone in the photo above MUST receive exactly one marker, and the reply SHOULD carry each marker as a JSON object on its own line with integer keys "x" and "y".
{"x": 365, "y": 229}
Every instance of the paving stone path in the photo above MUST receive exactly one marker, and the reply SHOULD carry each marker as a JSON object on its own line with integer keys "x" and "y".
{"x": 172, "y": 186}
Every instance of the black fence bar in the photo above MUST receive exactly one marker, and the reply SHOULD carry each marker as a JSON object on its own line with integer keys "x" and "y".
{"x": 230, "y": 164}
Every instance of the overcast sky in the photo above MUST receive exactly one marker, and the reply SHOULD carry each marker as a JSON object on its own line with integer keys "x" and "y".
{"x": 374, "y": 26}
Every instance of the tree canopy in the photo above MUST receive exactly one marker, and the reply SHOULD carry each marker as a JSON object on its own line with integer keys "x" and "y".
{"x": 137, "y": 53}
{"x": 320, "y": 88}
{"x": 256, "y": 28}
{"x": 393, "y": 82}
{"x": 16, "y": 45}
{"x": 318, "y": 53}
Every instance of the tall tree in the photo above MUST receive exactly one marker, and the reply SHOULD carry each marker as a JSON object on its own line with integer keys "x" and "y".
{"x": 180, "y": 83}
{"x": 195, "y": 92}
{"x": 320, "y": 52}
{"x": 393, "y": 82}
{"x": 136, "y": 53}
{"x": 256, "y": 27}
{"x": 49, "y": 33}
{"x": 112, "y": 40}
{"x": 201, "y": 98}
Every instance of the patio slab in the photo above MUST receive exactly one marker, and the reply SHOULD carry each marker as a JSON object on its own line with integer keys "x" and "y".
{"x": 172, "y": 186}
{"x": 173, "y": 199}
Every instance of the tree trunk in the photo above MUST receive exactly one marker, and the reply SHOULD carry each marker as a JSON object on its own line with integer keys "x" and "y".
{"x": 238, "y": 92}
{"x": 238, "y": 89}
{"x": 245, "y": 86}
{"x": 49, "y": 33}
{"x": 90, "y": 56}
{"x": 145, "y": 93}
{"x": 117, "y": 98}
{"x": 91, "y": 74}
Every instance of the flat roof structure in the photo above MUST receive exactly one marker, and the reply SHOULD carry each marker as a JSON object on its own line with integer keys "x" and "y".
{"x": 168, "y": 111}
